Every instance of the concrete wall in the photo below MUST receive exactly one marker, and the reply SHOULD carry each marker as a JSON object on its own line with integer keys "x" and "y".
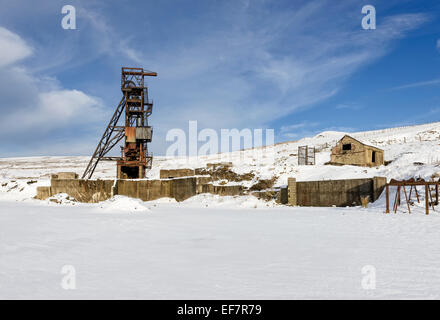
{"x": 100, "y": 190}
{"x": 338, "y": 193}
{"x": 283, "y": 196}
{"x": 360, "y": 154}
{"x": 176, "y": 173}
{"x": 216, "y": 165}
{"x": 64, "y": 175}
{"x": 379, "y": 184}
{"x": 291, "y": 192}
{"x": 201, "y": 181}
{"x": 82, "y": 190}
{"x": 145, "y": 190}
{"x": 182, "y": 189}
{"x": 43, "y": 193}
{"x": 234, "y": 190}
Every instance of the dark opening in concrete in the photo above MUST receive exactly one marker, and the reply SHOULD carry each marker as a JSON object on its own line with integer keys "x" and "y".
{"x": 130, "y": 172}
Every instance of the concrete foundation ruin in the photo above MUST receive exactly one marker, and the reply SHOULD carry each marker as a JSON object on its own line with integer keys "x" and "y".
{"x": 182, "y": 184}
{"x": 339, "y": 193}
{"x": 179, "y": 184}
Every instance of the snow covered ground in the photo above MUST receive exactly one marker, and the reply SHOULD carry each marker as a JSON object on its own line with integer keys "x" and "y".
{"x": 223, "y": 247}
{"x": 168, "y": 250}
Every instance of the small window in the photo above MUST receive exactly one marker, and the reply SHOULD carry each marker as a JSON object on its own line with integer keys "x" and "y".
{"x": 346, "y": 146}
{"x": 373, "y": 156}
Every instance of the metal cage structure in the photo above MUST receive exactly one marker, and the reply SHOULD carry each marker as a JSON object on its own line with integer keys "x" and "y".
{"x": 306, "y": 156}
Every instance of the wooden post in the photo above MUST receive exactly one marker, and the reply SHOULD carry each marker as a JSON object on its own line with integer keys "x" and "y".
{"x": 430, "y": 198}
{"x": 436, "y": 194}
{"x": 397, "y": 199}
{"x": 406, "y": 198}
{"x": 426, "y": 198}
{"x": 417, "y": 194}
{"x": 387, "y": 193}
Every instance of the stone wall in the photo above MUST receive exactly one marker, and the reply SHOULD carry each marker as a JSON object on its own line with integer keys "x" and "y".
{"x": 360, "y": 154}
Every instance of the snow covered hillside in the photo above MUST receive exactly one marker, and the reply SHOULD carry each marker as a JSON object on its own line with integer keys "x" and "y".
{"x": 413, "y": 152}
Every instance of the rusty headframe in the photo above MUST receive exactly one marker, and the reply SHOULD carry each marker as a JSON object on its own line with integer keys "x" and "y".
{"x": 135, "y": 158}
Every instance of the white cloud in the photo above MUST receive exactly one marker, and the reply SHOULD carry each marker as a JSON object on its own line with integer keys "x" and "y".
{"x": 13, "y": 48}
{"x": 54, "y": 109}
{"x": 418, "y": 84}
{"x": 33, "y": 106}
{"x": 438, "y": 45}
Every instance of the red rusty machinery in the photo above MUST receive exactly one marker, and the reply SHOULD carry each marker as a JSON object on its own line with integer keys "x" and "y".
{"x": 134, "y": 159}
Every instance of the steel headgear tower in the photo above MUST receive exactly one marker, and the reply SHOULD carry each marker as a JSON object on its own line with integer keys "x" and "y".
{"x": 135, "y": 158}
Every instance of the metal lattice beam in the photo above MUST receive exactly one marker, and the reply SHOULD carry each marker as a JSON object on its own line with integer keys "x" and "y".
{"x": 112, "y": 135}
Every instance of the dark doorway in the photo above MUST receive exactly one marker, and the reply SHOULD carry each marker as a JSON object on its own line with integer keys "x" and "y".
{"x": 373, "y": 156}
{"x": 130, "y": 172}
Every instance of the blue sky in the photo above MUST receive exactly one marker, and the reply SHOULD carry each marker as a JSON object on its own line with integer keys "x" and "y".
{"x": 299, "y": 67}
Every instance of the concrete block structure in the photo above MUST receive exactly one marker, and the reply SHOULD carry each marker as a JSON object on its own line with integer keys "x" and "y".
{"x": 291, "y": 192}
{"x": 176, "y": 173}
{"x": 64, "y": 175}
{"x": 340, "y": 193}
{"x": 92, "y": 191}
{"x": 81, "y": 190}
{"x": 216, "y": 165}
{"x": 349, "y": 151}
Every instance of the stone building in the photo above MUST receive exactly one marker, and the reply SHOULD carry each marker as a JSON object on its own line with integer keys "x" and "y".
{"x": 350, "y": 151}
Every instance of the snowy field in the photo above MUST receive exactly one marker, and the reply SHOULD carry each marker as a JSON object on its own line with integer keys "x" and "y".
{"x": 211, "y": 247}
{"x": 229, "y": 250}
